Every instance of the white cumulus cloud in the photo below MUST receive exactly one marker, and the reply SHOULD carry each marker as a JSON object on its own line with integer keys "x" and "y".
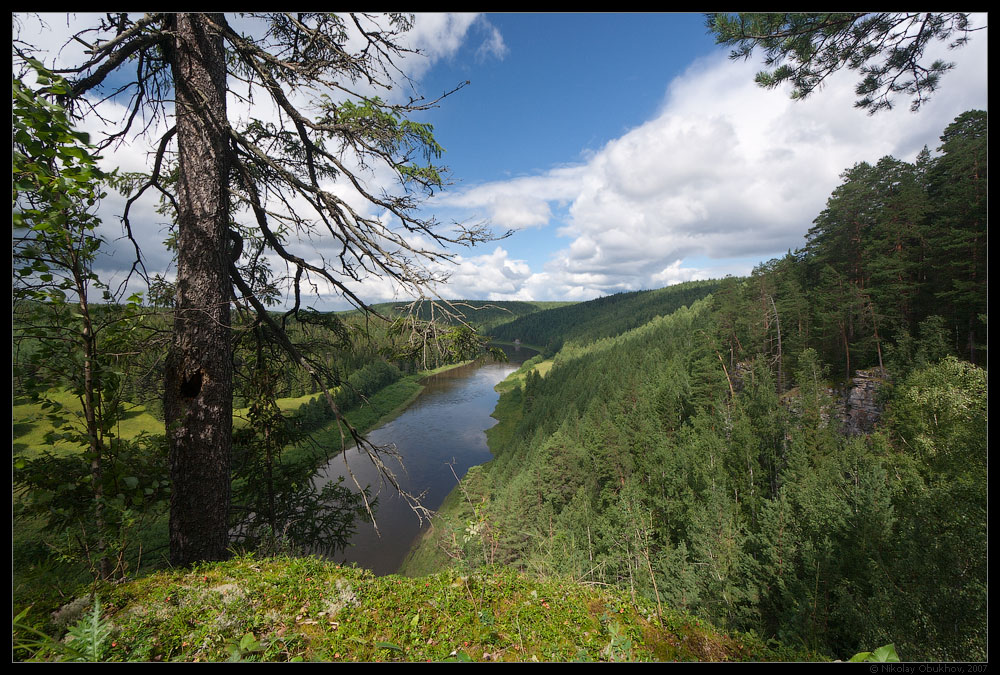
{"x": 725, "y": 171}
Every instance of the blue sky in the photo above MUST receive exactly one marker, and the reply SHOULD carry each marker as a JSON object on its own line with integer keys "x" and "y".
{"x": 625, "y": 151}
{"x": 564, "y": 85}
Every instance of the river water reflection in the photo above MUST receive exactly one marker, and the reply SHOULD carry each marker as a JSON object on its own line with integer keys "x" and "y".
{"x": 445, "y": 425}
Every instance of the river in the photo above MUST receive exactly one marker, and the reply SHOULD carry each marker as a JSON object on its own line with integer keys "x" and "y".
{"x": 445, "y": 425}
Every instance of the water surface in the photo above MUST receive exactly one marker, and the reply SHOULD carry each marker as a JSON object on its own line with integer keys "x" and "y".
{"x": 445, "y": 425}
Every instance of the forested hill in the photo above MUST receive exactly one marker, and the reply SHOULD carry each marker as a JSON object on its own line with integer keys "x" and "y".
{"x": 604, "y": 317}
{"x": 640, "y": 468}
{"x": 699, "y": 460}
{"x": 483, "y": 315}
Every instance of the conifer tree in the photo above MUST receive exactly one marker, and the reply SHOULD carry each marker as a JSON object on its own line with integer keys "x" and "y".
{"x": 886, "y": 48}
{"x": 958, "y": 235}
{"x": 237, "y": 190}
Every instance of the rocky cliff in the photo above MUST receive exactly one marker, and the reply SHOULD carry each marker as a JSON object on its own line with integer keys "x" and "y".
{"x": 856, "y": 404}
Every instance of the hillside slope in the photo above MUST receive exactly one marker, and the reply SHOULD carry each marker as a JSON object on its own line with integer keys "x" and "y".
{"x": 640, "y": 461}
{"x": 483, "y": 315}
{"x": 600, "y": 318}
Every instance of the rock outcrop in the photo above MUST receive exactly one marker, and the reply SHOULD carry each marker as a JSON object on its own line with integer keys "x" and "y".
{"x": 857, "y": 406}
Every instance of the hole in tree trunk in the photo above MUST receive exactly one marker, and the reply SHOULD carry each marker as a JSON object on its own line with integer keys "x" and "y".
{"x": 191, "y": 385}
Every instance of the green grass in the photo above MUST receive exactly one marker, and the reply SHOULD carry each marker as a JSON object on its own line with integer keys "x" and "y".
{"x": 30, "y": 424}
{"x": 305, "y": 609}
{"x": 517, "y": 378}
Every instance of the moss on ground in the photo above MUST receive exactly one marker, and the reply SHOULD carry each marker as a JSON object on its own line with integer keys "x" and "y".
{"x": 292, "y": 609}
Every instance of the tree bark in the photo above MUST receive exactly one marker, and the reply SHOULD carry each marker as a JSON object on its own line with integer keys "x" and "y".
{"x": 91, "y": 385}
{"x": 198, "y": 392}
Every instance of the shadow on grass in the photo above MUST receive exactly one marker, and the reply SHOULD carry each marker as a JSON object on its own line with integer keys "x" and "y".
{"x": 22, "y": 429}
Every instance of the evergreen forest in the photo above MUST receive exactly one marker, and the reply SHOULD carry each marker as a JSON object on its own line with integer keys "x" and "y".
{"x": 798, "y": 456}
{"x": 713, "y": 458}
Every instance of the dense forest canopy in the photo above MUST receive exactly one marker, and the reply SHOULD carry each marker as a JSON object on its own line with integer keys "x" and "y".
{"x": 707, "y": 459}
{"x": 603, "y": 317}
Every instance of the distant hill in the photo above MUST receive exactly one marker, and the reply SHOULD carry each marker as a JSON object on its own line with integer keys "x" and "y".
{"x": 604, "y": 317}
{"x": 483, "y": 315}
{"x": 549, "y": 324}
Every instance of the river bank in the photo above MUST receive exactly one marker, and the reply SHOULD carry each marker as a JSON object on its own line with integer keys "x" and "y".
{"x": 436, "y": 440}
{"x": 381, "y": 408}
{"x": 436, "y": 548}
{"x": 38, "y": 580}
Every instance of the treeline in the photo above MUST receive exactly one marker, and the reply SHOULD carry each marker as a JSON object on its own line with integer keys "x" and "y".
{"x": 604, "y": 317}
{"x": 699, "y": 459}
{"x": 897, "y": 256}
{"x": 484, "y": 316}
{"x": 350, "y": 351}
{"x": 362, "y": 383}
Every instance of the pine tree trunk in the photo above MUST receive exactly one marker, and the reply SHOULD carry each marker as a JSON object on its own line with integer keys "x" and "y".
{"x": 198, "y": 396}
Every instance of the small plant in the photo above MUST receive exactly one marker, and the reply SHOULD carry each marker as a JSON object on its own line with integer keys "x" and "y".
{"x": 248, "y": 649}
{"x": 88, "y": 635}
{"x": 84, "y": 641}
{"x": 886, "y": 654}
{"x": 620, "y": 646}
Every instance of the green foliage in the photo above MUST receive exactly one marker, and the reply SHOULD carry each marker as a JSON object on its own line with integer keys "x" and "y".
{"x": 249, "y": 648}
{"x": 938, "y": 419}
{"x": 885, "y": 654}
{"x": 89, "y": 635}
{"x": 698, "y": 460}
{"x": 97, "y": 498}
{"x": 275, "y": 506}
{"x": 940, "y": 414}
{"x": 56, "y": 183}
{"x": 957, "y": 183}
{"x": 133, "y": 490}
{"x": 86, "y": 640}
{"x": 886, "y": 49}
{"x": 54, "y": 170}
{"x": 604, "y": 317}
{"x": 373, "y": 122}
{"x": 890, "y": 251}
